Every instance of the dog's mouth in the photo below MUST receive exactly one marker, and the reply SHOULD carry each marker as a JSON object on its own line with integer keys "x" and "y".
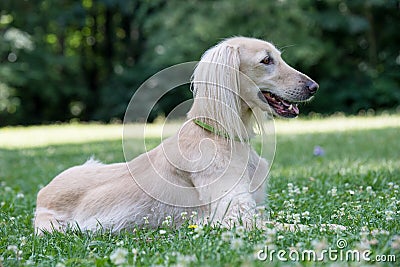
{"x": 282, "y": 107}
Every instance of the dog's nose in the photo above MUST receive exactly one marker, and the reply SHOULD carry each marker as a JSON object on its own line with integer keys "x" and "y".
{"x": 312, "y": 87}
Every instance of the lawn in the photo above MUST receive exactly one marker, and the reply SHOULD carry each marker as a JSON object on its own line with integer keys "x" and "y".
{"x": 334, "y": 170}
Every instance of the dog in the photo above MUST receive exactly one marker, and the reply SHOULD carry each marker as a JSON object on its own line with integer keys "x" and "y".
{"x": 208, "y": 167}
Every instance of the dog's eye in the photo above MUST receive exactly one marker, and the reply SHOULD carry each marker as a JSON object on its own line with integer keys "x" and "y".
{"x": 267, "y": 60}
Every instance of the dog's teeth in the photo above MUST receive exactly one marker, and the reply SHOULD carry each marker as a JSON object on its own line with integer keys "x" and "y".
{"x": 290, "y": 107}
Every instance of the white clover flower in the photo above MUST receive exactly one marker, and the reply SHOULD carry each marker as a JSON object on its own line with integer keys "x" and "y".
{"x": 226, "y": 236}
{"x": 332, "y": 192}
{"x": 13, "y": 248}
{"x": 118, "y": 256}
{"x": 236, "y": 243}
{"x": 166, "y": 223}
{"x": 341, "y": 212}
{"x": 184, "y": 215}
{"x": 260, "y": 209}
{"x": 120, "y": 243}
{"x": 296, "y": 218}
{"x": 194, "y": 214}
{"x": 199, "y": 230}
{"x": 304, "y": 189}
{"x": 270, "y": 232}
{"x": 20, "y": 195}
{"x": 281, "y": 214}
{"x": 162, "y": 232}
{"x": 134, "y": 251}
{"x": 146, "y": 220}
{"x": 305, "y": 215}
{"x": 185, "y": 260}
{"x": 296, "y": 190}
{"x": 240, "y": 230}
{"x": 389, "y": 214}
{"x": 27, "y": 262}
{"x": 395, "y": 242}
{"x": 384, "y": 232}
{"x": 351, "y": 192}
{"x": 23, "y": 240}
{"x": 280, "y": 237}
{"x": 289, "y": 203}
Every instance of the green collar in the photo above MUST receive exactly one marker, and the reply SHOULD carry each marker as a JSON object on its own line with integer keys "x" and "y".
{"x": 211, "y": 129}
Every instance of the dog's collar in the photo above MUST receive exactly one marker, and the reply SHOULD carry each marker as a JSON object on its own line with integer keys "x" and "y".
{"x": 211, "y": 129}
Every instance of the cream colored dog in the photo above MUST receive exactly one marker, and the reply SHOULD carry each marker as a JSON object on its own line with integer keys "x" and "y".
{"x": 208, "y": 166}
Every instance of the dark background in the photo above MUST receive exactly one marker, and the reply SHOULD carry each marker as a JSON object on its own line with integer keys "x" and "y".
{"x": 83, "y": 60}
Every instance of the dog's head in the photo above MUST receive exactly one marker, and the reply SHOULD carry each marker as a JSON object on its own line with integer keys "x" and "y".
{"x": 255, "y": 74}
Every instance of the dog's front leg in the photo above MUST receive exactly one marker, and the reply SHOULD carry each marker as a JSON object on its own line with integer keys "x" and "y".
{"x": 236, "y": 208}
{"x": 227, "y": 206}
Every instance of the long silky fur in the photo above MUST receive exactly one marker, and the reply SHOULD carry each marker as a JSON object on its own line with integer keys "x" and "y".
{"x": 216, "y": 88}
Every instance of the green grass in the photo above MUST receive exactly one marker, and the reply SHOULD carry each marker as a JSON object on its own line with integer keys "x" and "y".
{"x": 355, "y": 183}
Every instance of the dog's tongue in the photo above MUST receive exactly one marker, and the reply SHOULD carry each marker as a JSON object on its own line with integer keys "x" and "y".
{"x": 281, "y": 106}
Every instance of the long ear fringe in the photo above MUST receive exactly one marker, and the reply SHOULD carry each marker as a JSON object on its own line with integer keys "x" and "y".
{"x": 215, "y": 84}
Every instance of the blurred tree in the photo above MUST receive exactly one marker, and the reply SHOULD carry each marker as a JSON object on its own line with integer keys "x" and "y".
{"x": 360, "y": 68}
{"x": 83, "y": 59}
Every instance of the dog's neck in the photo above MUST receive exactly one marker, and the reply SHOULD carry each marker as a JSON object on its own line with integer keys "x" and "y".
{"x": 204, "y": 118}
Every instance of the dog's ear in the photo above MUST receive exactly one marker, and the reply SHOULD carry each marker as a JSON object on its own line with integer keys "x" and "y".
{"x": 215, "y": 84}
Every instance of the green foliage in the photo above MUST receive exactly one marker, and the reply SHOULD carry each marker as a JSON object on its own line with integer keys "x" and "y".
{"x": 84, "y": 59}
{"x": 355, "y": 184}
